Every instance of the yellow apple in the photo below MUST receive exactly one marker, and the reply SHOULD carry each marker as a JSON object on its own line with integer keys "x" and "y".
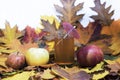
{"x": 37, "y": 56}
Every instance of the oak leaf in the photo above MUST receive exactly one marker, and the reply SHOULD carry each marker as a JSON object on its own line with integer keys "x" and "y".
{"x": 51, "y": 19}
{"x": 50, "y": 29}
{"x": 104, "y": 17}
{"x": 10, "y": 34}
{"x": 69, "y": 11}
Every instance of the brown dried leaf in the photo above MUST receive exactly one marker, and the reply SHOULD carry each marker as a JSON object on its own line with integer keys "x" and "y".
{"x": 103, "y": 13}
{"x": 50, "y": 29}
{"x": 115, "y": 67}
{"x": 77, "y": 75}
{"x": 86, "y": 32}
{"x": 69, "y": 11}
{"x": 1, "y": 33}
{"x": 47, "y": 74}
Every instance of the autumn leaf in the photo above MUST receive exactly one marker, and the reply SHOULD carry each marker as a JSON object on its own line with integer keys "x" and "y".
{"x": 30, "y": 35}
{"x": 104, "y": 17}
{"x": 2, "y": 61}
{"x": 114, "y": 31}
{"x": 1, "y": 33}
{"x": 113, "y": 65}
{"x": 19, "y": 47}
{"x": 69, "y": 11}
{"x": 24, "y": 47}
{"x": 80, "y": 75}
{"x": 50, "y": 29}
{"x": 51, "y": 20}
{"x": 10, "y": 35}
{"x": 86, "y": 32}
{"x": 104, "y": 44}
{"x": 47, "y": 74}
{"x": 70, "y": 30}
{"x": 98, "y": 67}
{"x": 100, "y": 75}
{"x": 21, "y": 76}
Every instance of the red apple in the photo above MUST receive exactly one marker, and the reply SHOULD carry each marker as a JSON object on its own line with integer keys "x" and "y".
{"x": 16, "y": 60}
{"x": 89, "y": 55}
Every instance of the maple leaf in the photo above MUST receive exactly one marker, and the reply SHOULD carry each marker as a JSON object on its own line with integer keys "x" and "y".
{"x": 69, "y": 11}
{"x": 10, "y": 35}
{"x": 104, "y": 17}
{"x": 50, "y": 29}
{"x": 51, "y": 20}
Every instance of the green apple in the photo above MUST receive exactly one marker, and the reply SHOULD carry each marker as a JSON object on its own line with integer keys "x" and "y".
{"x": 37, "y": 56}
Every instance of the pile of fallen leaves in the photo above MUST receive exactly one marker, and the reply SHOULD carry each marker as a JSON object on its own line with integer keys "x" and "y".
{"x": 103, "y": 32}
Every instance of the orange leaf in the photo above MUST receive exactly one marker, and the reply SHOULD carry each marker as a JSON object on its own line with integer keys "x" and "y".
{"x": 24, "y": 47}
{"x": 114, "y": 30}
{"x": 86, "y": 32}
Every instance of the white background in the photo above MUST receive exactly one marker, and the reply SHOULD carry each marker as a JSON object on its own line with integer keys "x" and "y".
{"x": 28, "y": 12}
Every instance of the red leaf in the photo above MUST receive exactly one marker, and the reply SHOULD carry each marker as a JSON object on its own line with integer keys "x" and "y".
{"x": 70, "y": 30}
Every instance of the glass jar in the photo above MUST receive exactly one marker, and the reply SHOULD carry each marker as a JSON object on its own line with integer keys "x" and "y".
{"x": 64, "y": 50}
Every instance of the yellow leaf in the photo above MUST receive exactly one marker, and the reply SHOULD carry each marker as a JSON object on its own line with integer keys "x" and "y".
{"x": 51, "y": 19}
{"x": 2, "y": 61}
{"x": 100, "y": 75}
{"x": 98, "y": 67}
{"x": 47, "y": 74}
{"x": 50, "y": 45}
{"x": 114, "y": 30}
{"x": 9, "y": 38}
{"x": 21, "y": 76}
{"x": 112, "y": 61}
